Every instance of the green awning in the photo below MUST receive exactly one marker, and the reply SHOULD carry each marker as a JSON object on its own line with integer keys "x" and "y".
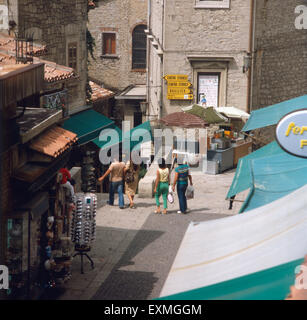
{"x": 243, "y": 177}
{"x": 270, "y": 173}
{"x": 87, "y": 125}
{"x": 269, "y": 284}
{"x": 131, "y": 139}
{"x": 210, "y": 115}
{"x": 271, "y": 115}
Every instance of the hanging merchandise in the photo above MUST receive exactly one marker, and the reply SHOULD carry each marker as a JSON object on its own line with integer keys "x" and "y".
{"x": 88, "y": 173}
{"x": 83, "y": 227}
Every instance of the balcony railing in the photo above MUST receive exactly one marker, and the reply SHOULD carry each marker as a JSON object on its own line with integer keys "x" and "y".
{"x": 57, "y": 100}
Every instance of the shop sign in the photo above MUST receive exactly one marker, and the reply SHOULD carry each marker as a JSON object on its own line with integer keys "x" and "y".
{"x": 291, "y": 133}
{"x": 176, "y": 77}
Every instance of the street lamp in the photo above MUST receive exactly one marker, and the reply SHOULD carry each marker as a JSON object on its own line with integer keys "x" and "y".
{"x": 143, "y": 106}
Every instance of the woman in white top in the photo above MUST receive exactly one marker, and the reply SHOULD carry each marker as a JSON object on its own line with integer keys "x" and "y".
{"x": 162, "y": 186}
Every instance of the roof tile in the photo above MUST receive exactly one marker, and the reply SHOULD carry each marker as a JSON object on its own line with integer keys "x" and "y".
{"x": 53, "y": 72}
{"x": 54, "y": 141}
{"x": 184, "y": 120}
{"x": 99, "y": 93}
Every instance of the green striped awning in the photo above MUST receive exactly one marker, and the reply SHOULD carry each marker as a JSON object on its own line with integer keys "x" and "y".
{"x": 269, "y": 284}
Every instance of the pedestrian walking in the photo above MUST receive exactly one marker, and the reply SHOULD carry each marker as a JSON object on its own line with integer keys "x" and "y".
{"x": 182, "y": 175}
{"x": 131, "y": 181}
{"x": 161, "y": 186}
{"x": 116, "y": 171}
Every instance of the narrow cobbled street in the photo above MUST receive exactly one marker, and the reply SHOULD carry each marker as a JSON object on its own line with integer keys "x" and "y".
{"x": 135, "y": 248}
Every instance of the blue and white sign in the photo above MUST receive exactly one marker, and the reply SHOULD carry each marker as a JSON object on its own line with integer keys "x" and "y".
{"x": 291, "y": 133}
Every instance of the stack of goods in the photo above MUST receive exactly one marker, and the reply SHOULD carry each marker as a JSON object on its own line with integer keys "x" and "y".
{"x": 56, "y": 256}
{"x": 88, "y": 173}
{"x": 83, "y": 228}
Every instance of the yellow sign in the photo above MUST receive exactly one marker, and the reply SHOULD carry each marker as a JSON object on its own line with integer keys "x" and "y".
{"x": 175, "y": 77}
{"x": 178, "y": 90}
{"x": 180, "y": 96}
{"x": 182, "y": 84}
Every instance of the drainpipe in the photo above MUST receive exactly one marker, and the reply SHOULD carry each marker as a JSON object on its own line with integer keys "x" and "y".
{"x": 162, "y": 64}
{"x": 251, "y": 50}
{"x": 147, "y": 113}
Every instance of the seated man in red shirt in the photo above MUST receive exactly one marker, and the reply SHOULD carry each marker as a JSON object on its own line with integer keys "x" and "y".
{"x": 64, "y": 182}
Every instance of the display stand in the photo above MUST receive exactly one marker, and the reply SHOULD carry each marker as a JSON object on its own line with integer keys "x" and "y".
{"x": 82, "y": 251}
{"x": 83, "y": 227}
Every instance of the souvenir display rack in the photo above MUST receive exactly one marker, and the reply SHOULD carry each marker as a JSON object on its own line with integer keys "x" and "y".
{"x": 83, "y": 227}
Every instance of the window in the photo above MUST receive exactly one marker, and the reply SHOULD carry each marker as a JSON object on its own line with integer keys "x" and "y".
{"x": 72, "y": 55}
{"x": 139, "y": 47}
{"x": 108, "y": 43}
{"x": 212, "y": 4}
{"x": 208, "y": 89}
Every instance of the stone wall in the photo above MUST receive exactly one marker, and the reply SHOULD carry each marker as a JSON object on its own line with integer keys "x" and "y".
{"x": 209, "y": 33}
{"x": 56, "y": 24}
{"x": 280, "y": 71}
{"x": 119, "y": 16}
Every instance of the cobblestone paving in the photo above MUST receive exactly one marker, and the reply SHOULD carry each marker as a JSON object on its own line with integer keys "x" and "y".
{"x": 135, "y": 248}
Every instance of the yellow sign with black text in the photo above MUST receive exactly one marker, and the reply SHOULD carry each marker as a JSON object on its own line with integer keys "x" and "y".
{"x": 180, "y": 96}
{"x": 178, "y": 90}
{"x": 176, "y": 77}
{"x": 180, "y": 84}
{"x": 178, "y": 87}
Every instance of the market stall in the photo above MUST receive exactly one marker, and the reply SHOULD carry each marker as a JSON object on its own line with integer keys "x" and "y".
{"x": 224, "y": 145}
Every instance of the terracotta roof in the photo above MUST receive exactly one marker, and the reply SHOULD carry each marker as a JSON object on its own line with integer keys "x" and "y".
{"x": 184, "y": 120}
{"x": 56, "y": 72}
{"x": 99, "y": 93}
{"x": 54, "y": 141}
{"x": 297, "y": 293}
{"x": 53, "y": 72}
{"x": 7, "y": 43}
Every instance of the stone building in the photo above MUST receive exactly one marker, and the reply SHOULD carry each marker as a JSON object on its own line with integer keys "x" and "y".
{"x": 207, "y": 41}
{"x": 33, "y": 148}
{"x": 61, "y": 26}
{"x": 280, "y": 53}
{"x": 120, "y": 54}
